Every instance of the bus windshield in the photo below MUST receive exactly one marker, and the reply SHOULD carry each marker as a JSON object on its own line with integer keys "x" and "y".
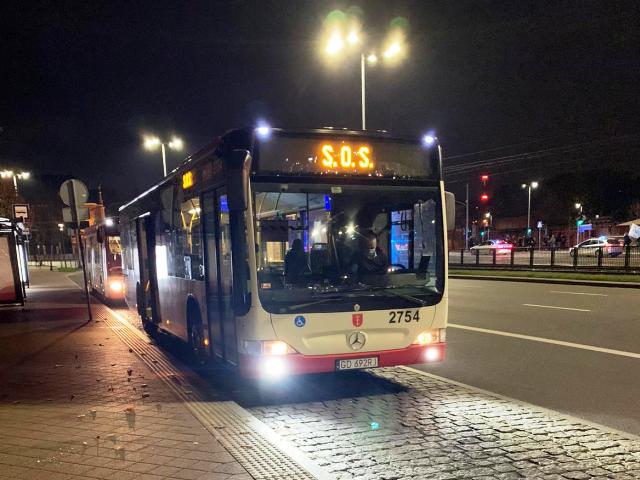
{"x": 320, "y": 247}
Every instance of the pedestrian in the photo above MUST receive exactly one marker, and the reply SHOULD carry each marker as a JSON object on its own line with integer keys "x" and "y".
{"x": 552, "y": 242}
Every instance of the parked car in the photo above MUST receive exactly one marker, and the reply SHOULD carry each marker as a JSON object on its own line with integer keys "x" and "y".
{"x": 486, "y": 248}
{"x": 611, "y": 246}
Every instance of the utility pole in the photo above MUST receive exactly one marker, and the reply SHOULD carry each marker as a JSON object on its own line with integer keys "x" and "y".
{"x": 466, "y": 224}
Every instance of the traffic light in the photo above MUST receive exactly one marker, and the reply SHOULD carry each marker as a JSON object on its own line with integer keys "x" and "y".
{"x": 580, "y": 220}
{"x": 484, "y": 178}
{"x": 482, "y": 233}
{"x": 528, "y": 232}
{"x": 484, "y": 197}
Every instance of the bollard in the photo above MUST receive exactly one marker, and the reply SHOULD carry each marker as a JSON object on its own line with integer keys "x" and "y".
{"x": 494, "y": 256}
{"x": 513, "y": 256}
{"x": 531, "y": 250}
{"x": 477, "y": 257}
{"x": 575, "y": 257}
{"x": 553, "y": 257}
{"x": 627, "y": 256}
{"x": 599, "y": 257}
{"x": 462, "y": 256}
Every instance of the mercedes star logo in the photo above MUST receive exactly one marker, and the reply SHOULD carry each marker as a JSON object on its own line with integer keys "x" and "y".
{"x": 357, "y": 340}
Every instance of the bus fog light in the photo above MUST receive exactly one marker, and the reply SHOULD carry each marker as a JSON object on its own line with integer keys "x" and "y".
{"x": 274, "y": 368}
{"x": 432, "y": 354}
{"x": 115, "y": 286}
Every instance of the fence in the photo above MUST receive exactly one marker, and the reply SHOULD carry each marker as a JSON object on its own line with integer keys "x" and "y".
{"x": 54, "y": 261}
{"x": 620, "y": 258}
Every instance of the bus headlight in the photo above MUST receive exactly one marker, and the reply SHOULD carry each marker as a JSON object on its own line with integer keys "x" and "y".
{"x": 115, "y": 286}
{"x": 267, "y": 347}
{"x": 432, "y": 336}
{"x": 274, "y": 368}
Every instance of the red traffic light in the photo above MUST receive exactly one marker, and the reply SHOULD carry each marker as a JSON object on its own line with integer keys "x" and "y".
{"x": 484, "y": 197}
{"x": 484, "y": 178}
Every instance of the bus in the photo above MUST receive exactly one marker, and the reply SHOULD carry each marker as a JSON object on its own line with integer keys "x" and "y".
{"x": 103, "y": 259}
{"x": 285, "y": 252}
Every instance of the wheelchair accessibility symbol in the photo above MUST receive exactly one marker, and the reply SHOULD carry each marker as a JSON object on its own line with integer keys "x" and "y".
{"x": 300, "y": 321}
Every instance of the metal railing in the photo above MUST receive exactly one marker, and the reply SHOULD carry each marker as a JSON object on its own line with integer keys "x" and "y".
{"x": 602, "y": 258}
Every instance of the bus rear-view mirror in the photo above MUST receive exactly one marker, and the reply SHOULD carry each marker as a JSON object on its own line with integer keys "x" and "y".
{"x": 450, "y": 210}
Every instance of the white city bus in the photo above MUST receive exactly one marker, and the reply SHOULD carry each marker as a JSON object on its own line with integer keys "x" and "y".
{"x": 103, "y": 260}
{"x": 290, "y": 252}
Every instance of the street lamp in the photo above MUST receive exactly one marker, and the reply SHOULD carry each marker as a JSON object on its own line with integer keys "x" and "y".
{"x": 152, "y": 143}
{"x": 488, "y": 222}
{"x": 15, "y": 176}
{"x": 529, "y": 186}
{"x": 336, "y": 43}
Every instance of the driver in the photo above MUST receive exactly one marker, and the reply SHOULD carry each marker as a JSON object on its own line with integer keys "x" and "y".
{"x": 371, "y": 258}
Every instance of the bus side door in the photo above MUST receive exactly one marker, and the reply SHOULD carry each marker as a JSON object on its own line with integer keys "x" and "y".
{"x": 219, "y": 275}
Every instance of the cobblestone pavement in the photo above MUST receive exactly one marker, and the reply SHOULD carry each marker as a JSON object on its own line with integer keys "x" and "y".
{"x": 76, "y": 403}
{"x": 399, "y": 424}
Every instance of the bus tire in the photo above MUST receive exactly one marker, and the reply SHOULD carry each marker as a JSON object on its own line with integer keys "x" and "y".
{"x": 197, "y": 352}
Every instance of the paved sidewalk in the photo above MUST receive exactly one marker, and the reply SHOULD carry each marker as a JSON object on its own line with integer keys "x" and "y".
{"x": 77, "y": 403}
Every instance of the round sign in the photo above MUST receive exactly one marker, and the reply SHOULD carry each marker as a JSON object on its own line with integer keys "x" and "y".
{"x": 80, "y": 192}
{"x": 300, "y": 321}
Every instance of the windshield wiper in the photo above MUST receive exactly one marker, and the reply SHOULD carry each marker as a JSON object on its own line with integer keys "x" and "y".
{"x": 390, "y": 290}
{"x": 298, "y": 306}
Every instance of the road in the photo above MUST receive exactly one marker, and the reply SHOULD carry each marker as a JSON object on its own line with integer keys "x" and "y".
{"x": 407, "y": 424}
{"x": 573, "y": 377}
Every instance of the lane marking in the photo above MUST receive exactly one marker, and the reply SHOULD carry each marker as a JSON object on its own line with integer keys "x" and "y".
{"x": 579, "y": 346}
{"x": 548, "y": 411}
{"x": 558, "y": 308}
{"x": 580, "y": 293}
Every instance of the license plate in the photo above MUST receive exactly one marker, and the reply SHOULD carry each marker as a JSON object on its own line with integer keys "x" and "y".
{"x": 356, "y": 363}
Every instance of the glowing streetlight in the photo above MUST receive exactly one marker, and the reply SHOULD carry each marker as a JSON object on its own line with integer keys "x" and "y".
{"x": 392, "y": 50}
{"x": 336, "y": 42}
{"x": 152, "y": 143}
{"x": 16, "y": 176}
{"x": 529, "y": 186}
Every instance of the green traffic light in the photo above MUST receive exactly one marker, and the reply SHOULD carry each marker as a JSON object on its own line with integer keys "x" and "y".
{"x": 579, "y": 222}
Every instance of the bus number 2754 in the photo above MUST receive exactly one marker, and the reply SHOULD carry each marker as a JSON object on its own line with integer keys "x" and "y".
{"x": 407, "y": 316}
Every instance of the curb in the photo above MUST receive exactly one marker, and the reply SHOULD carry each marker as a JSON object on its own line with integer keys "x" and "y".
{"x": 560, "y": 281}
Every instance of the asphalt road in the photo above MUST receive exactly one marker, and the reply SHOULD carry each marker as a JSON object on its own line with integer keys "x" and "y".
{"x": 572, "y": 349}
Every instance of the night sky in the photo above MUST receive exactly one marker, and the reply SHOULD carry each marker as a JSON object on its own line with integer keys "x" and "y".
{"x": 81, "y": 81}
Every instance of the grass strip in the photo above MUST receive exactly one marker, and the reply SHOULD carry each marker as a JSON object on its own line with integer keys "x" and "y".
{"x": 602, "y": 277}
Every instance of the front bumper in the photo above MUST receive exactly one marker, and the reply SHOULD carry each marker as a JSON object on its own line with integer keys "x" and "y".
{"x": 252, "y": 366}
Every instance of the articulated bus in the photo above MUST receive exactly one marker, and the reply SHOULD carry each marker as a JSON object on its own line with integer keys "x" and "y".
{"x": 284, "y": 252}
{"x": 103, "y": 260}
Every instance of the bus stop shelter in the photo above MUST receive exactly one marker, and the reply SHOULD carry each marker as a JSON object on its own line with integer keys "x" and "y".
{"x": 13, "y": 263}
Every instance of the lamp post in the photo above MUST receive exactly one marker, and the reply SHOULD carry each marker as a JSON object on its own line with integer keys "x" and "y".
{"x": 336, "y": 44}
{"x": 529, "y": 186}
{"x": 15, "y": 176}
{"x": 579, "y": 207}
{"x": 151, "y": 143}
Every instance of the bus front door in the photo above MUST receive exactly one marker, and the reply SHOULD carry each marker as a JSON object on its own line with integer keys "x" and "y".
{"x": 221, "y": 320}
{"x": 147, "y": 304}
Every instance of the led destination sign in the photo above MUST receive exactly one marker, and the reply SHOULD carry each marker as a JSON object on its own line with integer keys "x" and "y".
{"x": 324, "y": 155}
